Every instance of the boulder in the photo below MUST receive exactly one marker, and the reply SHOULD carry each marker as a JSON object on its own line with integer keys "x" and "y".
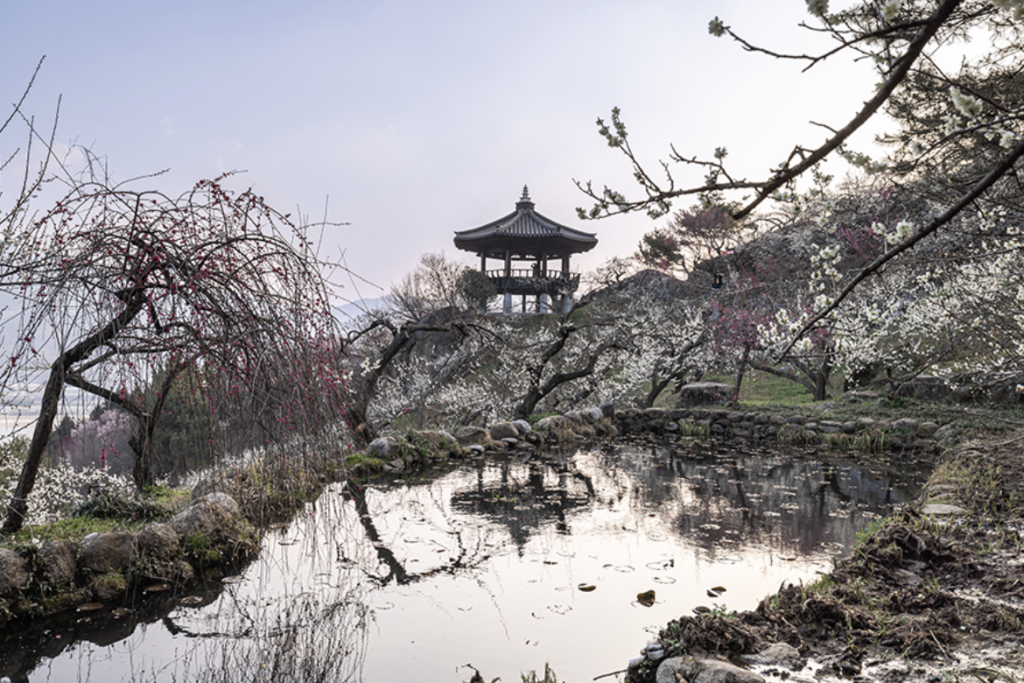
{"x": 779, "y": 654}
{"x": 109, "y": 587}
{"x": 58, "y": 563}
{"x": 435, "y": 440}
{"x": 703, "y": 671}
{"x": 472, "y": 434}
{"x": 107, "y": 552}
{"x": 705, "y": 393}
{"x": 210, "y": 516}
{"x": 158, "y": 542}
{"x": 523, "y": 426}
{"x": 504, "y": 430}
{"x": 655, "y": 414}
{"x": 925, "y": 388}
{"x": 13, "y": 571}
{"x": 829, "y": 427}
{"x": 383, "y": 447}
{"x": 554, "y": 423}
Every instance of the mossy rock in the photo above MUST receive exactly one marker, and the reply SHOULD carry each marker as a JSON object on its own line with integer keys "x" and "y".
{"x": 109, "y": 587}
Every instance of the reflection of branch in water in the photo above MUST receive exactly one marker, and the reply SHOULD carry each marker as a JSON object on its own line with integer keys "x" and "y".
{"x": 465, "y": 559}
{"x": 398, "y": 572}
{"x": 832, "y": 483}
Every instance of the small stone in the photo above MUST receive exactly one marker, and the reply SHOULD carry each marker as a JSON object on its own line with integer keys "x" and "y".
{"x": 942, "y": 509}
{"x": 906, "y": 424}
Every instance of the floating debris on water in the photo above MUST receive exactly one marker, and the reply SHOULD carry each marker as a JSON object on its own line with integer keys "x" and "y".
{"x": 90, "y": 607}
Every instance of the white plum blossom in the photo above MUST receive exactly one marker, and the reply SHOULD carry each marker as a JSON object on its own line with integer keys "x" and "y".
{"x": 891, "y": 9}
{"x": 966, "y": 104}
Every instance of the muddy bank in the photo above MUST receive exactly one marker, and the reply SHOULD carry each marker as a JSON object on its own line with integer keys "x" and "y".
{"x": 935, "y": 593}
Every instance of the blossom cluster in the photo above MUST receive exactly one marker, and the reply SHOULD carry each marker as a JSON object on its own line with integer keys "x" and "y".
{"x": 59, "y": 488}
{"x": 901, "y": 231}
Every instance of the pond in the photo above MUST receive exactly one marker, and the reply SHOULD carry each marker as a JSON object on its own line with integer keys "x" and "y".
{"x": 501, "y": 564}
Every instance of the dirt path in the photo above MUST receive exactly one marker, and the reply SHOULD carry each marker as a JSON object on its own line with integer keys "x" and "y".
{"x": 935, "y": 594}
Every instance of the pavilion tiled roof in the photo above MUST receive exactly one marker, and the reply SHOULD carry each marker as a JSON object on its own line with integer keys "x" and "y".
{"x": 525, "y": 231}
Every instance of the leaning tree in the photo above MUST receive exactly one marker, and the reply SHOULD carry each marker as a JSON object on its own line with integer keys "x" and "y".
{"x": 125, "y": 283}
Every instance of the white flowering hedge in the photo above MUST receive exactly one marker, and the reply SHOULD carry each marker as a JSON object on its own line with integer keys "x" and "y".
{"x": 59, "y": 488}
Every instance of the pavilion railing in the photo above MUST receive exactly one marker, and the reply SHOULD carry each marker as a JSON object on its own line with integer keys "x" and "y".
{"x": 520, "y": 280}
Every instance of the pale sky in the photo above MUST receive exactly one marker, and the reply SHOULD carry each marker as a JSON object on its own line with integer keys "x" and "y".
{"x": 416, "y": 119}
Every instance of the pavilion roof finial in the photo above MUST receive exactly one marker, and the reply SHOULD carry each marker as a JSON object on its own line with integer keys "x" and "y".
{"x": 525, "y": 202}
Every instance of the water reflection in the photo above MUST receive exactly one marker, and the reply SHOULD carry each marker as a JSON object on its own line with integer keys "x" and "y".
{"x": 499, "y": 564}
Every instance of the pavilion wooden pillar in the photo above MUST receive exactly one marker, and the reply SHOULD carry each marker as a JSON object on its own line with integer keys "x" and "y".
{"x": 507, "y": 304}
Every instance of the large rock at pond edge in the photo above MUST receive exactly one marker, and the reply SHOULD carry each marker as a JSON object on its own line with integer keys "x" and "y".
{"x": 554, "y": 423}
{"x": 435, "y": 439}
{"x": 13, "y": 571}
{"x": 503, "y": 430}
{"x": 211, "y": 516}
{"x": 383, "y": 447}
{"x": 523, "y": 426}
{"x": 703, "y": 671}
{"x": 58, "y": 563}
{"x": 472, "y": 434}
{"x": 705, "y": 394}
{"x": 107, "y": 552}
{"x": 158, "y": 542}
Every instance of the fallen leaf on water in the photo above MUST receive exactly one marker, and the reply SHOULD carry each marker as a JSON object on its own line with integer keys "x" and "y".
{"x": 646, "y": 598}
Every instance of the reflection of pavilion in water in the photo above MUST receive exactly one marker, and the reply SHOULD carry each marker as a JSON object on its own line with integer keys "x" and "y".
{"x": 522, "y": 495}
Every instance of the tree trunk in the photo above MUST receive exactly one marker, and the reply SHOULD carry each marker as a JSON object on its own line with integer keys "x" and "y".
{"x": 657, "y": 386}
{"x": 740, "y": 371}
{"x": 18, "y": 507}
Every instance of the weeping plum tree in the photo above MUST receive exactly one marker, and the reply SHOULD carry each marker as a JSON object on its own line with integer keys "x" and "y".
{"x": 125, "y": 284}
